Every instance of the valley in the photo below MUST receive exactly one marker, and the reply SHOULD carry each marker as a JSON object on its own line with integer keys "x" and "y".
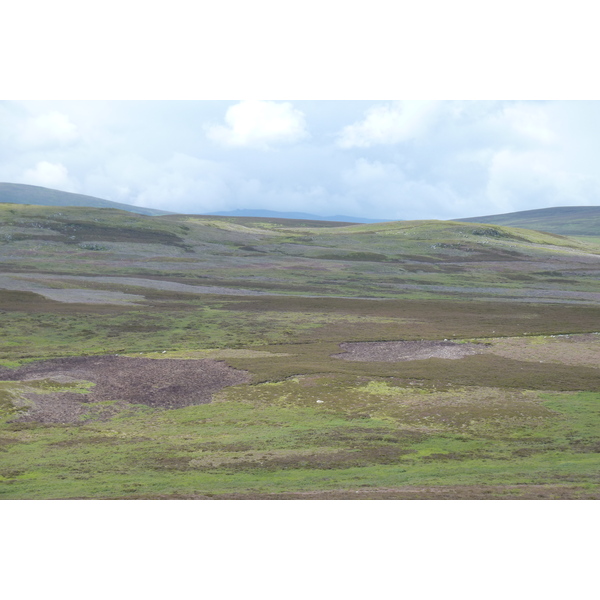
{"x": 215, "y": 357}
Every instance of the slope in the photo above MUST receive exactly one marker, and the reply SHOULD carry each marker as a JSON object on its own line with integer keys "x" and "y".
{"x": 19, "y": 193}
{"x": 203, "y": 357}
{"x": 260, "y": 213}
{"x": 566, "y": 220}
{"x": 290, "y": 257}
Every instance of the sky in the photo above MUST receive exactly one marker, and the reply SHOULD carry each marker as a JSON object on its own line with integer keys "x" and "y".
{"x": 290, "y": 106}
{"x": 388, "y": 159}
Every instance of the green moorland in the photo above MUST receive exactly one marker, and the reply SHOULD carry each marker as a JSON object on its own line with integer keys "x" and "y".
{"x": 566, "y": 220}
{"x": 275, "y": 302}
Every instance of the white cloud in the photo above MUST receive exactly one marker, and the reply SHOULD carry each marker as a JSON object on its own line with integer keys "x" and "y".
{"x": 529, "y": 121}
{"x": 50, "y": 175}
{"x": 259, "y": 124}
{"x": 392, "y": 160}
{"x": 48, "y": 129}
{"x": 365, "y": 172}
{"x": 390, "y": 124}
{"x": 291, "y": 197}
{"x": 536, "y": 177}
{"x": 395, "y": 195}
{"x": 185, "y": 184}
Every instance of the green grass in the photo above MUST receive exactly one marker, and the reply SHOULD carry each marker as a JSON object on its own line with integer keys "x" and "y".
{"x": 261, "y": 447}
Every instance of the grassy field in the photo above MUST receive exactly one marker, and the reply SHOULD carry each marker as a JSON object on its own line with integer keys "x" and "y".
{"x": 519, "y": 418}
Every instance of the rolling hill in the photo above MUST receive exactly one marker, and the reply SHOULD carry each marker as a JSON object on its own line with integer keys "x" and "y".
{"x": 189, "y": 356}
{"x": 565, "y": 220}
{"x": 274, "y": 214}
{"x": 20, "y": 193}
{"x": 297, "y": 257}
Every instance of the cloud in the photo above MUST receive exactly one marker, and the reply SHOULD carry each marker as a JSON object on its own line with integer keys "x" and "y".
{"x": 474, "y": 158}
{"x": 529, "y": 121}
{"x": 372, "y": 159}
{"x": 50, "y": 175}
{"x": 389, "y": 124}
{"x": 394, "y": 193}
{"x": 538, "y": 178}
{"x": 259, "y": 124}
{"x": 48, "y": 129}
{"x": 185, "y": 184}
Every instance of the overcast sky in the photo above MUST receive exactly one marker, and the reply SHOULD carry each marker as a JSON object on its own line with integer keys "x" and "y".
{"x": 375, "y": 159}
{"x": 388, "y": 159}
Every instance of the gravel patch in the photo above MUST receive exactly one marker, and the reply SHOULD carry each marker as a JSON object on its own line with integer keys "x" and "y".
{"x": 404, "y": 351}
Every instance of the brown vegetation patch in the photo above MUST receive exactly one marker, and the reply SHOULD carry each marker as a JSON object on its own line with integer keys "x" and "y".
{"x": 402, "y": 351}
{"x": 6, "y": 442}
{"x": 272, "y": 462}
{"x": 573, "y": 349}
{"x": 165, "y": 383}
{"x": 98, "y": 439}
{"x": 432, "y": 319}
{"x": 450, "y": 492}
{"x": 364, "y": 457}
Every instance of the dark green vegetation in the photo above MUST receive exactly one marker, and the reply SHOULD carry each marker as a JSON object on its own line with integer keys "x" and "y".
{"x": 566, "y": 220}
{"x": 19, "y": 193}
{"x": 520, "y": 418}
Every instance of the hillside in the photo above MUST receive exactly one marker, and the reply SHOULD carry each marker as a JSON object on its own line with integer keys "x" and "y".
{"x": 190, "y": 356}
{"x": 266, "y": 221}
{"x": 566, "y": 220}
{"x": 19, "y": 193}
{"x": 295, "y": 256}
{"x": 273, "y": 214}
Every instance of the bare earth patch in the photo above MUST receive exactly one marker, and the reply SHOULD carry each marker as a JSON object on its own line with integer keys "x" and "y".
{"x": 403, "y": 351}
{"x": 163, "y": 383}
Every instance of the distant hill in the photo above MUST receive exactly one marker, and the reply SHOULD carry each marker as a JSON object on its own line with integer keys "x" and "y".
{"x": 250, "y": 212}
{"x": 20, "y": 193}
{"x": 565, "y": 220}
{"x": 262, "y": 221}
{"x": 219, "y": 240}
